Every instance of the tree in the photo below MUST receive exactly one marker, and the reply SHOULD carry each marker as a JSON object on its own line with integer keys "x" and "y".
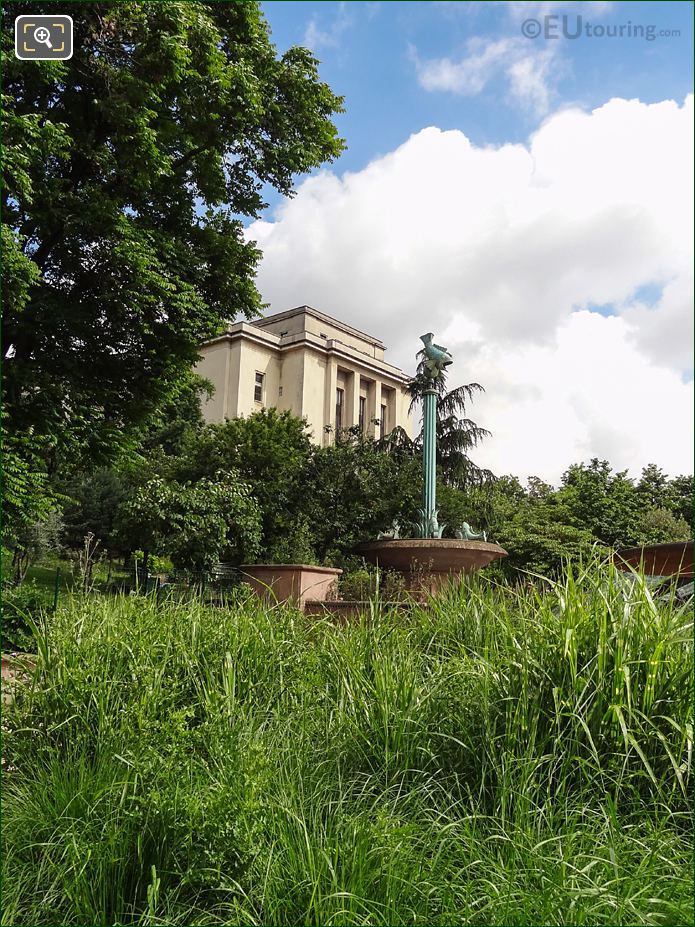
{"x": 178, "y": 424}
{"x": 354, "y": 490}
{"x": 492, "y": 503}
{"x": 456, "y": 434}
{"x": 127, "y": 170}
{"x": 93, "y": 506}
{"x": 533, "y": 524}
{"x": 602, "y": 502}
{"x": 659, "y": 526}
{"x": 679, "y": 498}
{"x": 270, "y": 450}
{"x": 26, "y": 496}
{"x": 651, "y": 487}
{"x": 35, "y": 540}
{"x": 195, "y": 524}
{"x": 538, "y": 538}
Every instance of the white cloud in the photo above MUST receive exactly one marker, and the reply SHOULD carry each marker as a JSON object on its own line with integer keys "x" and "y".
{"x": 529, "y": 70}
{"x": 316, "y": 37}
{"x": 523, "y": 9}
{"x": 588, "y": 393}
{"x": 504, "y": 252}
{"x": 530, "y": 76}
{"x": 662, "y": 329}
{"x": 468, "y": 76}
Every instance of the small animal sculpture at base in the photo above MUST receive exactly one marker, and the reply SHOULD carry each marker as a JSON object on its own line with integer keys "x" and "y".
{"x": 466, "y": 533}
{"x": 391, "y": 534}
{"x": 429, "y": 527}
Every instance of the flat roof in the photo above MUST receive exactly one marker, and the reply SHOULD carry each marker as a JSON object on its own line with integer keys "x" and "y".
{"x": 240, "y": 330}
{"x": 322, "y": 317}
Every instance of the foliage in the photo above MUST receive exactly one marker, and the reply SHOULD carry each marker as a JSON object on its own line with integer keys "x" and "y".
{"x": 296, "y": 546}
{"x": 270, "y": 451}
{"x": 456, "y": 434}
{"x": 354, "y": 490}
{"x": 651, "y": 487}
{"x": 602, "y": 501}
{"x": 155, "y": 564}
{"x": 540, "y": 526}
{"x": 34, "y": 541}
{"x": 93, "y": 507}
{"x": 178, "y": 424}
{"x": 539, "y": 541}
{"x": 680, "y": 496}
{"x": 366, "y": 583}
{"x": 454, "y": 507}
{"x": 23, "y": 606}
{"x": 127, "y": 172}
{"x": 26, "y": 496}
{"x": 504, "y": 756}
{"x": 194, "y": 523}
{"x": 316, "y": 502}
{"x": 94, "y": 498}
{"x": 659, "y": 526}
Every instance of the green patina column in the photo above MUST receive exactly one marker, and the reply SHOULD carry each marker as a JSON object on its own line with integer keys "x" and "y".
{"x": 429, "y": 461}
{"x": 436, "y": 359}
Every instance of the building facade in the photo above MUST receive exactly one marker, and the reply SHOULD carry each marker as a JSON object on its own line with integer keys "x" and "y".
{"x": 309, "y": 364}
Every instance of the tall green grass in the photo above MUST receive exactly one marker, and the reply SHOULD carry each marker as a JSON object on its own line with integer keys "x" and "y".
{"x": 499, "y": 757}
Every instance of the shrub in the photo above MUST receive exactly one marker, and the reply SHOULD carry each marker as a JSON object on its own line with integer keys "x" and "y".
{"x": 22, "y": 607}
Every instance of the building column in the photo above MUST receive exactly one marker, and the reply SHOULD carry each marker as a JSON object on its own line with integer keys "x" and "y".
{"x": 374, "y": 408}
{"x": 352, "y": 400}
{"x": 403, "y": 415}
{"x": 331, "y": 384}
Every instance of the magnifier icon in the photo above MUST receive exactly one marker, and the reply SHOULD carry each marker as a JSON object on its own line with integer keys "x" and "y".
{"x": 41, "y": 34}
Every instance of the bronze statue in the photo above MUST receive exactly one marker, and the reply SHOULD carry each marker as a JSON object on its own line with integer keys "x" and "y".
{"x": 466, "y": 533}
{"x": 436, "y": 357}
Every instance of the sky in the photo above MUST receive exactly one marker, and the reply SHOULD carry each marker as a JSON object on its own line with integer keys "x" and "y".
{"x": 518, "y": 180}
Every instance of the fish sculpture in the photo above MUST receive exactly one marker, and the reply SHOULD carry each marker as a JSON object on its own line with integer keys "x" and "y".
{"x": 466, "y": 533}
{"x": 436, "y": 356}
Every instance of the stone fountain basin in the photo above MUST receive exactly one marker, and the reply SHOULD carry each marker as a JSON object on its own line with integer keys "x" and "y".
{"x": 433, "y": 555}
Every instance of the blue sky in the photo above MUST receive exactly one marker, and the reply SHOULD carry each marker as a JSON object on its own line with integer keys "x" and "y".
{"x": 367, "y": 53}
{"x": 529, "y": 200}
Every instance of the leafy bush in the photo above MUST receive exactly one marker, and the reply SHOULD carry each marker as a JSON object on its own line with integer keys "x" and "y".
{"x": 155, "y": 564}
{"x": 22, "y": 607}
{"x": 363, "y": 584}
{"x": 195, "y": 523}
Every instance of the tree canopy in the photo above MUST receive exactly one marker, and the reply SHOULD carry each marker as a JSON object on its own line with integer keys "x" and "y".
{"x": 127, "y": 172}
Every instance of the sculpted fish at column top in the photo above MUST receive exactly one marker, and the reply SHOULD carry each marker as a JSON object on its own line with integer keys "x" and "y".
{"x": 436, "y": 357}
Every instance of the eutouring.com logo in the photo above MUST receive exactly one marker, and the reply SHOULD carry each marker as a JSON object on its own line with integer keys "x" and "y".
{"x": 555, "y": 26}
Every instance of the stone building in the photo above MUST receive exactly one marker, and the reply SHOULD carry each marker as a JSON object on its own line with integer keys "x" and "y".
{"x": 310, "y": 364}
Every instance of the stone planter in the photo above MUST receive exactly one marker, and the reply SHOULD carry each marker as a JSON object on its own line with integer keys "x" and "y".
{"x": 675, "y": 559}
{"x": 290, "y": 582}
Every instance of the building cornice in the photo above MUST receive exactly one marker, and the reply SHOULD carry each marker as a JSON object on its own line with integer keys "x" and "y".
{"x": 243, "y": 331}
{"x": 322, "y": 317}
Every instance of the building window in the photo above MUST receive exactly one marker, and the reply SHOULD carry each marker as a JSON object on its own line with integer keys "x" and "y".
{"x": 339, "y": 397}
{"x": 382, "y": 422}
{"x": 363, "y": 412}
{"x": 258, "y": 387}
